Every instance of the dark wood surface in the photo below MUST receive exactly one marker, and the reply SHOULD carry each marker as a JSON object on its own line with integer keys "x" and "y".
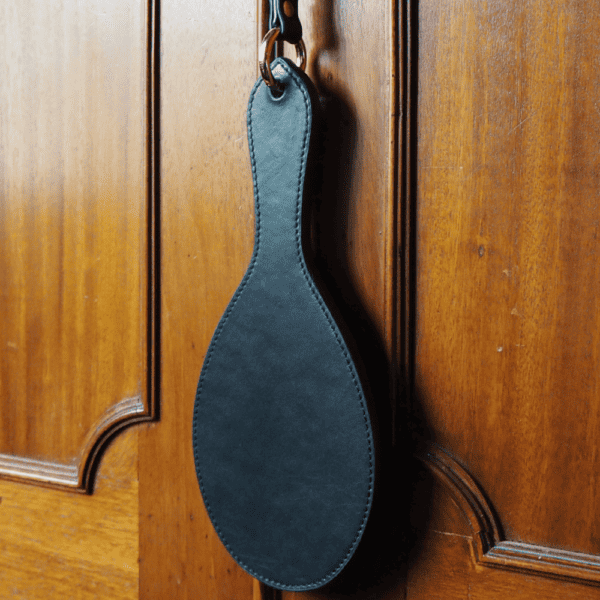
{"x": 507, "y": 272}
{"x": 508, "y": 276}
{"x": 208, "y": 67}
{"x": 456, "y": 230}
{"x": 73, "y": 233}
{"x": 56, "y": 544}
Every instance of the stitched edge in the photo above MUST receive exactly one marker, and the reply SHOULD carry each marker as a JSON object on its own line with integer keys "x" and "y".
{"x": 341, "y": 345}
{"x": 330, "y": 321}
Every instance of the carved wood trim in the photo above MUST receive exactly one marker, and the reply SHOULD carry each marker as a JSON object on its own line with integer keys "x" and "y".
{"x": 488, "y": 547}
{"x": 39, "y": 471}
{"x": 79, "y": 476}
{"x": 76, "y": 477}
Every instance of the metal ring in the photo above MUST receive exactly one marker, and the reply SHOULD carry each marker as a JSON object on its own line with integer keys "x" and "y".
{"x": 265, "y": 56}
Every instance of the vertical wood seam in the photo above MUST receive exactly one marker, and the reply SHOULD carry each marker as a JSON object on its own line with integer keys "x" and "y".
{"x": 408, "y": 196}
{"x": 392, "y": 248}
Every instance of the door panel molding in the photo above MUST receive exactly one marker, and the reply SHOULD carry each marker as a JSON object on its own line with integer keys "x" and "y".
{"x": 488, "y": 546}
{"x": 78, "y": 477}
{"x": 78, "y": 237}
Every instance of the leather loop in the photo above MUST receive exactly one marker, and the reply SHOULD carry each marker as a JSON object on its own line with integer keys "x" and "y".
{"x": 283, "y": 14}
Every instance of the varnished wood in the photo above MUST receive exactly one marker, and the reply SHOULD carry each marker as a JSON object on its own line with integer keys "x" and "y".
{"x": 444, "y": 571}
{"x": 59, "y": 545}
{"x": 76, "y": 477}
{"x": 447, "y": 560}
{"x": 507, "y": 319}
{"x": 470, "y": 128}
{"x": 206, "y": 242}
{"x": 74, "y": 247}
{"x": 207, "y": 222}
{"x": 488, "y": 548}
{"x": 355, "y": 222}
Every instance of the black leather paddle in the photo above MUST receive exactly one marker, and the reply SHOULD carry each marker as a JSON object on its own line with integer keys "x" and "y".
{"x": 282, "y": 438}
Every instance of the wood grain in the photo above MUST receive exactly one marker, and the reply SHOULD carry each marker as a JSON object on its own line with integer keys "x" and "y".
{"x": 448, "y": 561}
{"x": 503, "y": 193}
{"x": 508, "y": 317}
{"x": 74, "y": 217}
{"x": 444, "y": 571}
{"x": 208, "y": 66}
{"x": 57, "y": 545}
{"x": 488, "y": 546}
{"x": 207, "y": 237}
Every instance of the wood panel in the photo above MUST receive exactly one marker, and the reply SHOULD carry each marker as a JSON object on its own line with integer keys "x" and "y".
{"x": 208, "y": 68}
{"x": 352, "y": 62}
{"x": 447, "y": 562}
{"x": 507, "y": 216}
{"x": 57, "y": 545}
{"x": 74, "y": 222}
{"x": 444, "y": 571}
{"x": 459, "y": 540}
{"x": 208, "y": 64}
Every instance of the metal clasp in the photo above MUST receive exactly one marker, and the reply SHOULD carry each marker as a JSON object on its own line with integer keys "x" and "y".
{"x": 265, "y": 57}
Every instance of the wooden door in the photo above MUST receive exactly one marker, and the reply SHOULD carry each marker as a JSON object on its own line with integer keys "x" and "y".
{"x": 507, "y": 317}
{"x": 456, "y": 228}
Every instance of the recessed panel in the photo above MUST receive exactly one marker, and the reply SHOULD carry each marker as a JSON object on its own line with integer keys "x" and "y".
{"x": 508, "y": 325}
{"x": 73, "y": 228}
